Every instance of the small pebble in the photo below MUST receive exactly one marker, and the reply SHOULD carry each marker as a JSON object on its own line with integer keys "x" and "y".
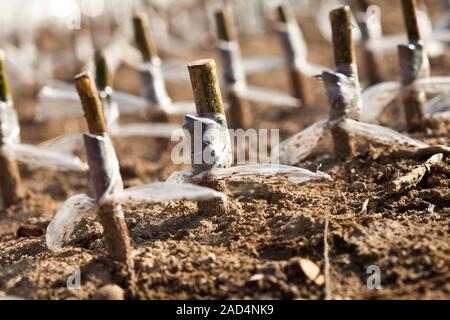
{"x": 358, "y": 186}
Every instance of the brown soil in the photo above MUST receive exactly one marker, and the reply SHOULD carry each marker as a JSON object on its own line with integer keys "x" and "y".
{"x": 180, "y": 253}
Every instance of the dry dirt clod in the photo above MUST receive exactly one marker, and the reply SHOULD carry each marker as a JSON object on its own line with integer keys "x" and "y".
{"x": 109, "y": 292}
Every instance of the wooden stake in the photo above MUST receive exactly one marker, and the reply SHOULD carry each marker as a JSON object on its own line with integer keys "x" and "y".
{"x": 373, "y": 69}
{"x": 411, "y": 21}
{"x": 10, "y": 182}
{"x": 345, "y": 61}
{"x": 5, "y": 93}
{"x": 143, "y": 37}
{"x": 344, "y": 50}
{"x": 414, "y": 101}
{"x": 92, "y": 106}
{"x": 240, "y": 109}
{"x": 225, "y": 28}
{"x": 205, "y": 86}
{"x": 208, "y": 100}
{"x": 103, "y": 78}
{"x": 110, "y": 213}
{"x": 300, "y": 83}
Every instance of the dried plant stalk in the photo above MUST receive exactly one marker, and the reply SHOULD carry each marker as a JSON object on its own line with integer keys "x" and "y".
{"x": 10, "y": 182}
{"x": 240, "y": 113}
{"x": 345, "y": 61}
{"x": 208, "y": 100}
{"x": 110, "y": 214}
{"x": 300, "y": 83}
{"x": 412, "y": 178}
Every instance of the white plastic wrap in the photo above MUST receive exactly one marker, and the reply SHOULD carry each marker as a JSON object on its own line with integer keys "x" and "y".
{"x": 252, "y": 173}
{"x": 175, "y": 70}
{"x": 110, "y": 107}
{"x": 181, "y": 108}
{"x": 233, "y": 69}
{"x": 270, "y": 96}
{"x": 299, "y": 146}
{"x": 153, "y": 129}
{"x": 57, "y": 101}
{"x": 439, "y": 107}
{"x": 104, "y": 167}
{"x": 66, "y": 219}
{"x": 153, "y": 87}
{"x": 343, "y": 93}
{"x": 381, "y": 135}
{"x": 272, "y": 172}
{"x": 434, "y": 39}
{"x": 293, "y": 43}
{"x": 36, "y": 157}
{"x": 9, "y": 124}
{"x": 210, "y": 141}
{"x": 75, "y": 208}
{"x": 162, "y": 192}
{"x": 376, "y": 98}
{"x": 262, "y": 64}
{"x": 68, "y": 144}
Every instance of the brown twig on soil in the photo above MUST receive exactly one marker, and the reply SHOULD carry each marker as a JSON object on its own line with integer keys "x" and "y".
{"x": 345, "y": 63}
{"x": 208, "y": 100}
{"x": 143, "y": 37}
{"x": 423, "y": 152}
{"x": 328, "y": 294}
{"x": 415, "y": 176}
{"x": 240, "y": 113}
{"x": 372, "y": 66}
{"x": 110, "y": 214}
{"x": 10, "y": 182}
{"x": 300, "y": 82}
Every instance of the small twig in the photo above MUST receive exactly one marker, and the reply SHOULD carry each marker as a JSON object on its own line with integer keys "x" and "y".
{"x": 328, "y": 294}
{"x": 143, "y": 37}
{"x": 415, "y": 176}
{"x": 10, "y": 182}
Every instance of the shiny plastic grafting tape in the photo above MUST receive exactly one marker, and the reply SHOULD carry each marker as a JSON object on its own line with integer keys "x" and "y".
{"x": 9, "y": 124}
{"x": 153, "y": 87}
{"x": 233, "y": 69}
